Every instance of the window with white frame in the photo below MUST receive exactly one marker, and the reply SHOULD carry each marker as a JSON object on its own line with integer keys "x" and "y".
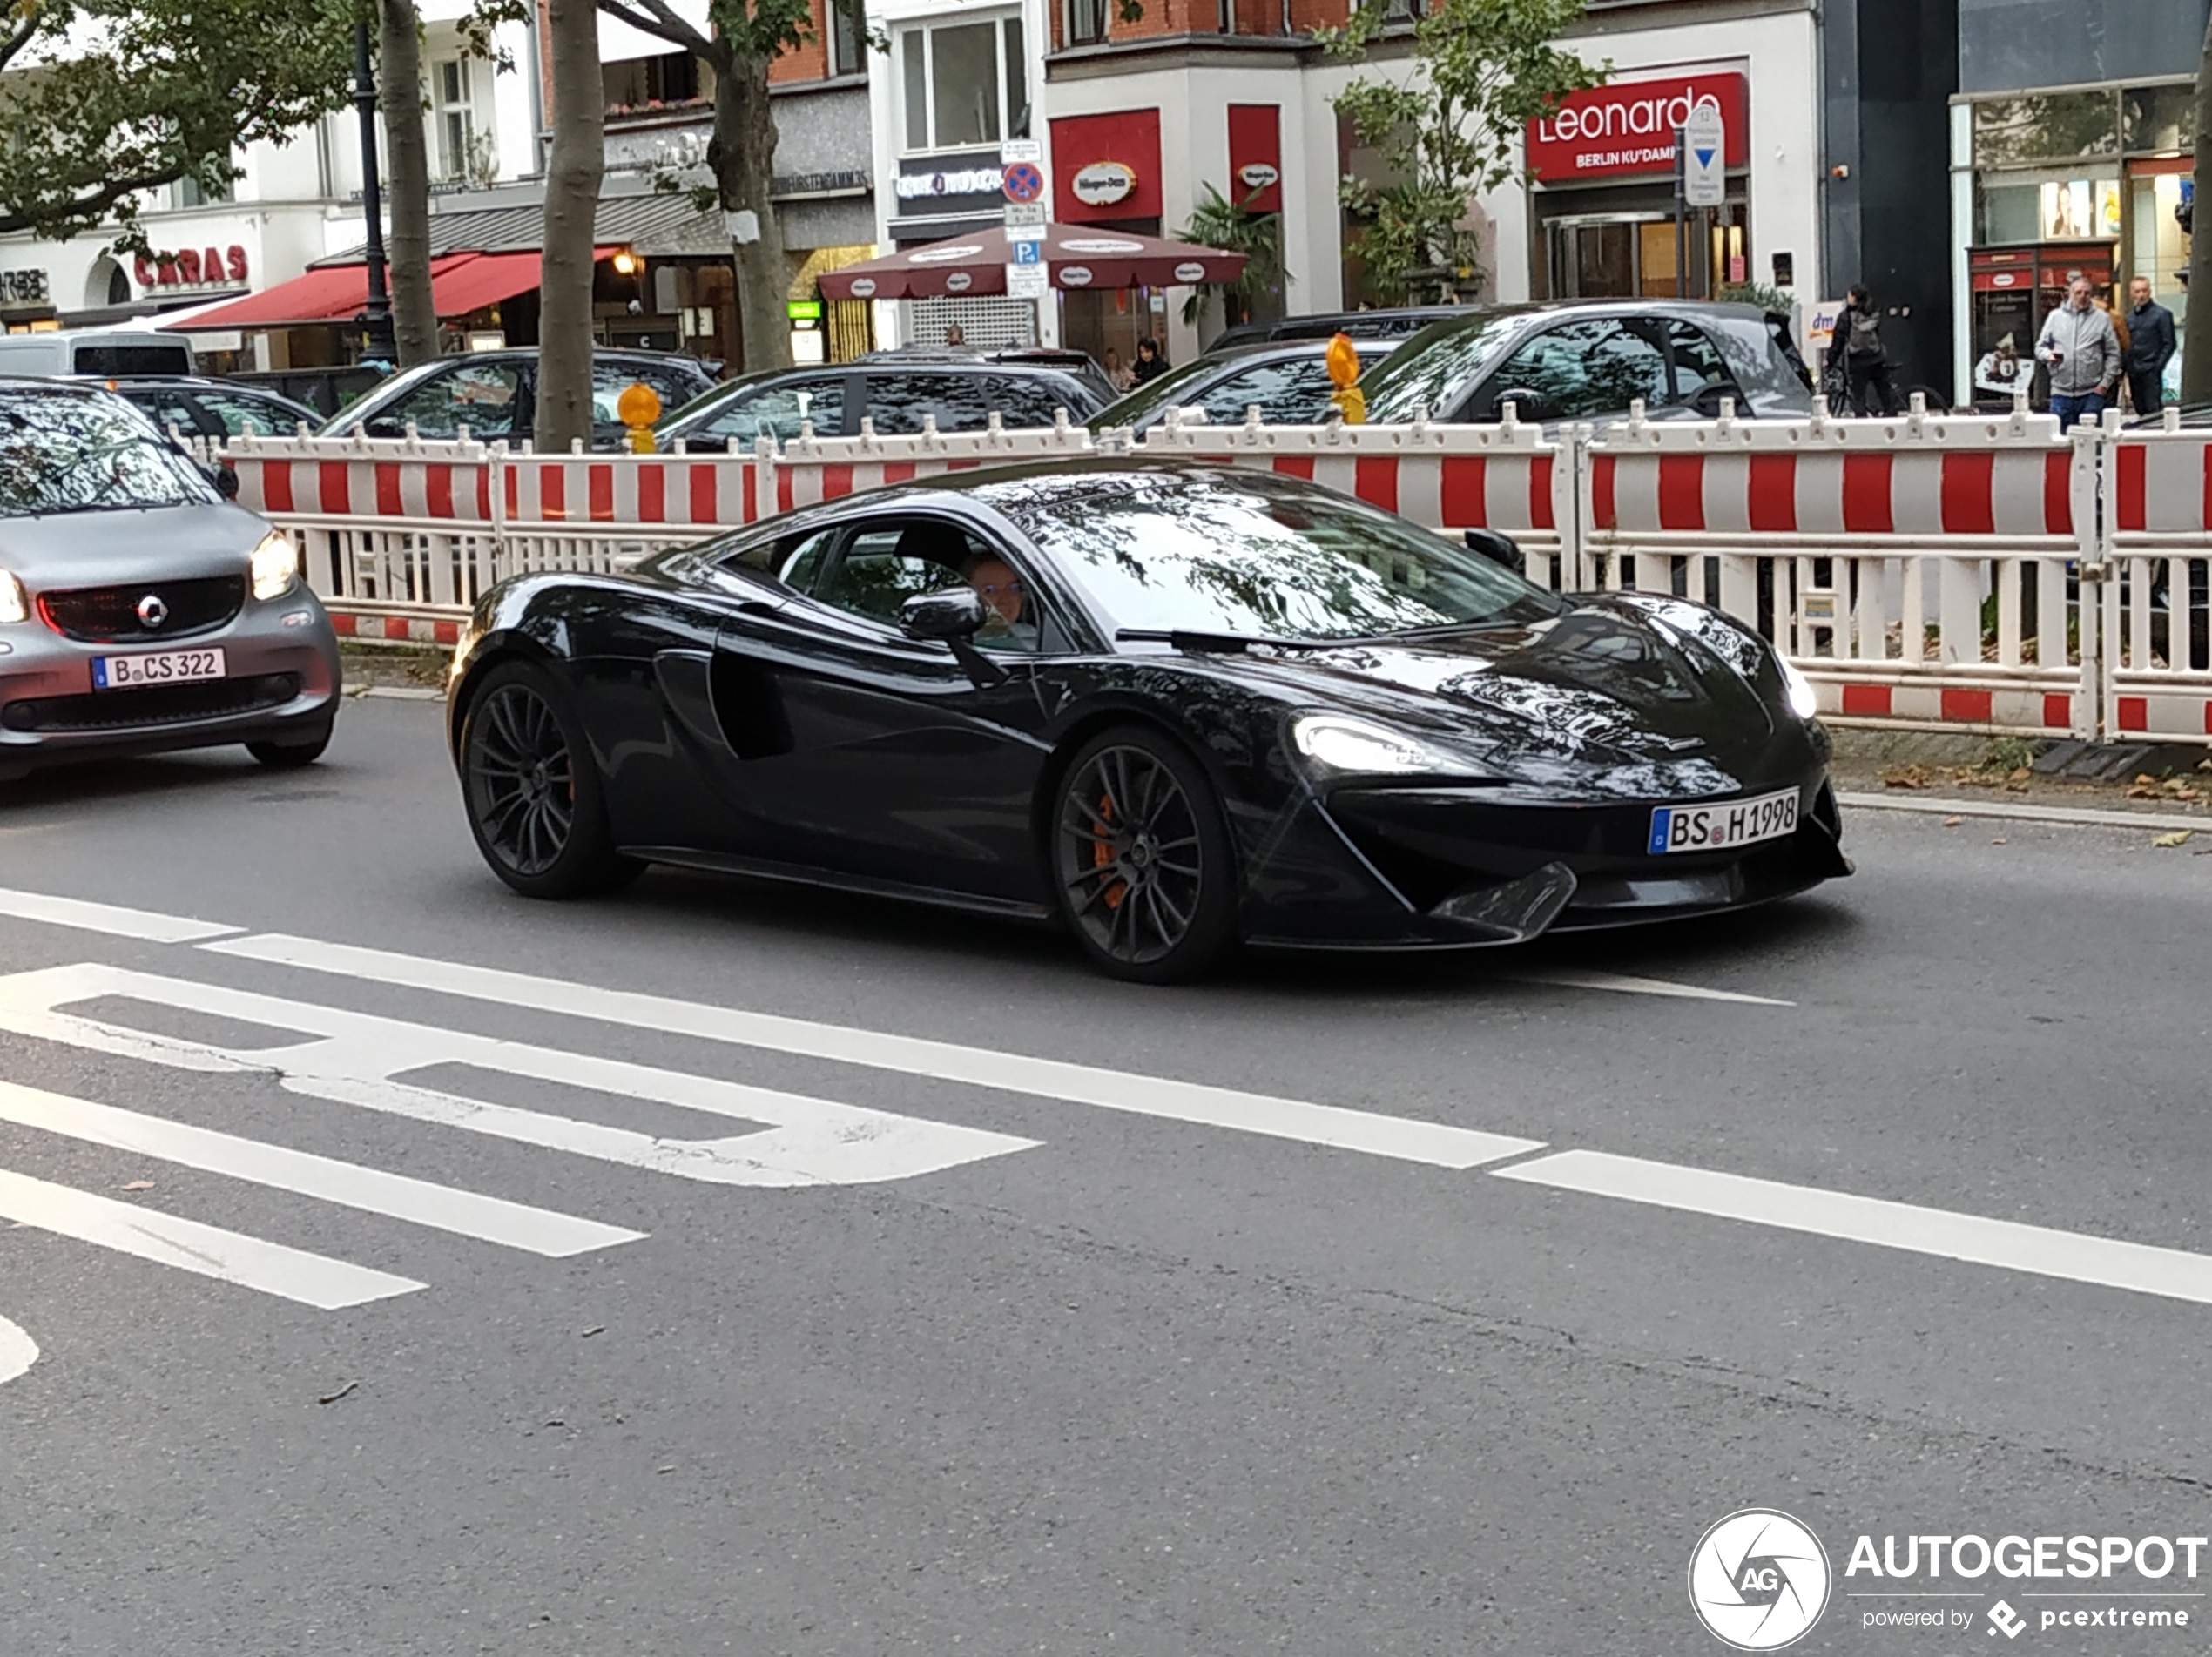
{"x": 453, "y": 119}
{"x": 964, "y": 82}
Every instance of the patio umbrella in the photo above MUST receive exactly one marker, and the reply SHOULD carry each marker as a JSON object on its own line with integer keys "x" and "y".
{"x": 1075, "y": 256}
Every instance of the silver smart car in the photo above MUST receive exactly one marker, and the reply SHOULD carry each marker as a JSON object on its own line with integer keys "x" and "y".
{"x": 141, "y": 611}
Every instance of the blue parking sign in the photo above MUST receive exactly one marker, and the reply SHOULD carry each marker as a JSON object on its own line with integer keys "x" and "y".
{"x": 1026, "y": 253}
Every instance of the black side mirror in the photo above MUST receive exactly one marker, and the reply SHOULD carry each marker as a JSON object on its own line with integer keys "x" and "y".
{"x": 226, "y": 480}
{"x": 1499, "y": 549}
{"x": 384, "y": 426}
{"x": 1526, "y": 404}
{"x": 955, "y": 613}
{"x": 1708, "y": 401}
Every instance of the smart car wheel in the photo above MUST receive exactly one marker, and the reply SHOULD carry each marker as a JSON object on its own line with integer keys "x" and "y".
{"x": 290, "y": 756}
{"x": 533, "y": 797}
{"x": 1141, "y": 859}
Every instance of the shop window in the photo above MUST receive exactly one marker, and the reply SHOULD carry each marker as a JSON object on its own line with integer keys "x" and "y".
{"x": 2049, "y": 126}
{"x": 964, "y": 83}
{"x": 2158, "y": 119}
{"x": 2051, "y": 205}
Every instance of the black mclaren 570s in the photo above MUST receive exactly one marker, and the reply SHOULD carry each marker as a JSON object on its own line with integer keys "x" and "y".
{"x": 1173, "y": 706}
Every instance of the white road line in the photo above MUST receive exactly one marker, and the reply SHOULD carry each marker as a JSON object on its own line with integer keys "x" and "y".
{"x": 489, "y": 1219}
{"x": 18, "y": 1352}
{"x": 106, "y": 918}
{"x": 2173, "y": 1273}
{"x": 1338, "y": 1127}
{"x": 1629, "y": 985}
{"x": 189, "y": 1246}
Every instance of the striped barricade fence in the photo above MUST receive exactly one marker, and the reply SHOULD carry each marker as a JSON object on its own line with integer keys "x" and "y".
{"x": 1919, "y": 569}
{"x": 605, "y": 512}
{"x": 809, "y": 470}
{"x": 1507, "y": 477}
{"x": 2156, "y": 551}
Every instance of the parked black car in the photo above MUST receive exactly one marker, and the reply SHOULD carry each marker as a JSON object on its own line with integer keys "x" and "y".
{"x": 1169, "y": 705}
{"x": 1289, "y": 380}
{"x": 214, "y": 409}
{"x": 1590, "y": 358}
{"x": 494, "y": 393}
{"x": 895, "y": 392}
{"x": 1394, "y": 324}
{"x": 1077, "y": 363}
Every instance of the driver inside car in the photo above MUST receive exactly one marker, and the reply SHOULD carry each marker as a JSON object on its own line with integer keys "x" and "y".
{"x": 1006, "y": 619}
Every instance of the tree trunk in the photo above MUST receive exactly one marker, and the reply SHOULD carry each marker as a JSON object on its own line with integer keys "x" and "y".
{"x": 572, "y": 175}
{"x": 407, "y": 179}
{"x": 743, "y": 156}
{"x": 2196, "y": 330}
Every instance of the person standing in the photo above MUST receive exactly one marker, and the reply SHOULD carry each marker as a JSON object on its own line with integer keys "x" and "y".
{"x": 1151, "y": 361}
{"x": 2150, "y": 347}
{"x": 2082, "y": 353}
{"x": 1867, "y": 365}
{"x": 1119, "y": 375}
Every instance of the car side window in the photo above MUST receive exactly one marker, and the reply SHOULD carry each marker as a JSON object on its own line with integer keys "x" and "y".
{"x": 168, "y": 408}
{"x": 610, "y": 379}
{"x": 1025, "y": 399}
{"x": 885, "y": 564}
{"x": 779, "y": 410}
{"x": 1295, "y": 392}
{"x": 242, "y": 414}
{"x": 484, "y": 396}
{"x": 1582, "y": 369}
{"x": 1699, "y": 366}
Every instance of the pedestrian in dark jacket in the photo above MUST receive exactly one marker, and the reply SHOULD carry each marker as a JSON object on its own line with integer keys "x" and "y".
{"x": 2150, "y": 347}
{"x": 1867, "y": 365}
{"x": 1151, "y": 361}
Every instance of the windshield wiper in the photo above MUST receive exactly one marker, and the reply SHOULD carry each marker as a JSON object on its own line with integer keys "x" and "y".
{"x": 1220, "y": 643}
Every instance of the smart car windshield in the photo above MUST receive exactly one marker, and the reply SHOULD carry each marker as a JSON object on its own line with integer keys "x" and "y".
{"x": 1431, "y": 372}
{"x": 1248, "y": 553}
{"x": 78, "y": 453}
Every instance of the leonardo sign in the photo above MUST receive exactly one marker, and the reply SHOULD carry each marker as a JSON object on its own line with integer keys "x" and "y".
{"x": 1629, "y": 127}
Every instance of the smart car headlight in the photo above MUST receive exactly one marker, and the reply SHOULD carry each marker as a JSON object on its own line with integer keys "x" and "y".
{"x": 1346, "y": 745}
{"x": 276, "y": 566}
{"x": 1798, "y": 691}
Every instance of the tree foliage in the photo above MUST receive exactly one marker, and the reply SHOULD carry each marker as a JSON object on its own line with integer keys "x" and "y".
{"x": 101, "y": 100}
{"x": 1449, "y": 129}
{"x": 1234, "y": 227}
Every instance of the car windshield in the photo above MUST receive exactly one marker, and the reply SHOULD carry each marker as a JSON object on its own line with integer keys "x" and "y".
{"x": 76, "y": 454}
{"x": 1432, "y": 370}
{"x": 1206, "y": 550}
{"x": 1157, "y": 394}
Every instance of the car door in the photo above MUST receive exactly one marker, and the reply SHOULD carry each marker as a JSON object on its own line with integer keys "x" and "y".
{"x": 238, "y": 412}
{"x": 490, "y": 398}
{"x": 1703, "y": 374}
{"x": 1589, "y": 369}
{"x": 864, "y": 750}
{"x": 778, "y": 408}
{"x": 1291, "y": 391}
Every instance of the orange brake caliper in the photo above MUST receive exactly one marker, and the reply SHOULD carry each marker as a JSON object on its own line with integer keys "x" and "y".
{"x": 1101, "y": 851}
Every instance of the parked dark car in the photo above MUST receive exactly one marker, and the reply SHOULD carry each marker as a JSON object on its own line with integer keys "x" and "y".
{"x": 213, "y": 409}
{"x": 1077, "y": 363}
{"x": 1172, "y": 706}
{"x": 1589, "y": 359}
{"x": 1289, "y": 380}
{"x": 1394, "y": 324}
{"x": 325, "y": 390}
{"x": 494, "y": 393}
{"x": 896, "y": 392}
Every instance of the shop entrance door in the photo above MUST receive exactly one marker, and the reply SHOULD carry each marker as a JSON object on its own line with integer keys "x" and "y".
{"x": 1631, "y": 255}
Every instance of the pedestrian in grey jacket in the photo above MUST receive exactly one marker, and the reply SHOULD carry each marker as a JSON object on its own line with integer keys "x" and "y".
{"x": 2082, "y": 353}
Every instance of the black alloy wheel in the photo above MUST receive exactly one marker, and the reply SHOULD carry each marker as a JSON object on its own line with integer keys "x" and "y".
{"x": 533, "y": 794}
{"x": 1141, "y": 859}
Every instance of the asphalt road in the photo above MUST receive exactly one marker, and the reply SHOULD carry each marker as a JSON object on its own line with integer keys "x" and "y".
{"x": 682, "y": 1330}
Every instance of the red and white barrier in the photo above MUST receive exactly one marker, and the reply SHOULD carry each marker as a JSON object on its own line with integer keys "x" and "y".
{"x": 2153, "y": 564}
{"x": 1925, "y": 570}
{"x": 1869, "y": 551}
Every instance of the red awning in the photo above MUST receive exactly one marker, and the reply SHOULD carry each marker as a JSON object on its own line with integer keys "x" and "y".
{"x": 459, "y": 283}
{"x": 1075, "y": 256}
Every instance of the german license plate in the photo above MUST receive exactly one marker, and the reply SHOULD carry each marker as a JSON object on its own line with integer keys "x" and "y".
{"x": 1716, "y": 828}
{"x": 155, "y": 667}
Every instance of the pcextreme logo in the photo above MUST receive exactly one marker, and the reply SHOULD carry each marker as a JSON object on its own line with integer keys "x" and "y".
{"x": 1758, "y": 1580}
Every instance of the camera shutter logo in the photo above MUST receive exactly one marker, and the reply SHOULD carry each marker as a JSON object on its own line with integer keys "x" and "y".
{"x": 1758, "y": 1580}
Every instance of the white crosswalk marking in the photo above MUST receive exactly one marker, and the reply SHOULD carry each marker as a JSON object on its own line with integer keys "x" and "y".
{"x": 107, "y": 917}
{"x": 18, "y": 1352}
{"x": 490, "y": 1219}
{"x": 187, "y": 1244}
{"x": 354, "y": 1057}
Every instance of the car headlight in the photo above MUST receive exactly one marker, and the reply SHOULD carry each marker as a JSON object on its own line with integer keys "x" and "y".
{"x": 1355, "y": 745}
{"x": 276, "y": 566}
{"x": 1798, "y": 691}
{"x": 14, "y": 607}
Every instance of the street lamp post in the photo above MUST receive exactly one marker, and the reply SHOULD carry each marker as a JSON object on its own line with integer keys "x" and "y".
{"x": 378, "y": 341}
